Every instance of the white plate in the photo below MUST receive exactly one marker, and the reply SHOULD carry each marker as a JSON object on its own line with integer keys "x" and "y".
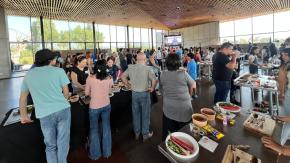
{"x": 225, "y": 110}
{"x": 188, "y": 139}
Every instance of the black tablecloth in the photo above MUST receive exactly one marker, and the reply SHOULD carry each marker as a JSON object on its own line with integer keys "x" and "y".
{"x": 24, "y": 143}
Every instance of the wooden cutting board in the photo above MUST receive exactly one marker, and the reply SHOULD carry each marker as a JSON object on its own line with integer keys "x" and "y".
{"x": 267, "y": 128}
{"x": 244, "y": 157}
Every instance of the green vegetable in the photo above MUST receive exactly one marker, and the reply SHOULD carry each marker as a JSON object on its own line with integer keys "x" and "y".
{"x": 174, "y": 147}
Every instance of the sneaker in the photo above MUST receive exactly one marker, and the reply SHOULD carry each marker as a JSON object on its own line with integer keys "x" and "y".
{"x": 137, "y": 136}
{"x": 146, "y": 137}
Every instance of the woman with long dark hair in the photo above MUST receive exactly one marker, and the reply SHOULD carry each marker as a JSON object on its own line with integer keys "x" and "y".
{"x": 98, "y": 88}
{"x": 253, "y": 60}
{"x": 79, "y": 73}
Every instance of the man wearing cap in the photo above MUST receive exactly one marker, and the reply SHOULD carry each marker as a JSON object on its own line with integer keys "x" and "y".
{"x": 48, "y": 87}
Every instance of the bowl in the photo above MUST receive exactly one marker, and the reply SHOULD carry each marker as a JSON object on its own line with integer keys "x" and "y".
{"x": 209, "y": 113}
{"x": 199, "y": 120}
{"x": 188, "y": 139}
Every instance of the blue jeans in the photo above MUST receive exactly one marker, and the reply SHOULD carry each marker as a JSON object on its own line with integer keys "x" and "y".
{"x": 141, "y": 106}
{"x": 285, "y": 135}
{"x": 222, "y": 90}
{"x": 56, "y": 132}
{"x": 95, "y": 147}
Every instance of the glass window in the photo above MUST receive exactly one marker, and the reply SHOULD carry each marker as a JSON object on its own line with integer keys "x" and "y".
{"x": 60, "y": 46}
{"x": 263, "y": 38}
{"x": 154, "y": 38}
{"x": 61, "y": 32}
{"x": 137, "y": 45}
{"x": 131, "y": 44}
{"x": 36, "y": 47}
{"x": 121, "y": 34}
{"x": 90, "y": 45}
{"x": 145, "y": 45}
{"x": 77, "y": 46}
{"x": 99, "y": 36}
{"x": 263, "y": 24}
{"x": 21, "y": 54}
{"x": 144, "y": 35}
{"x": 104, "y": 32}
{"x": 243, "y": 26}
{"x": 281, "y": 22}
{"x": 226, "y": 28}
{"x": 149, "y": 34}
{"x": 227, "y": 39}
{"x": 137, "y": 35}
{"x": 121, "y": 45}
{"x": 243, "y": 39}
{"x": 104, "y": 45}
{"x": 159, "y": 36}
{"x": 280, "y": 37}
{"x": 19, "y": 29}
{"x": 89, "y": 32}
{"x": 47, "y": 28}
{"x": 158, "y": 44}
{"x": 131, "y": 34}
{"x": 35, "y": 29}
{"x": 48, "y": 45}
{"x": 113, "y": 46}
{"x": 77, "y": 32}
{"x": 113, "y": 33}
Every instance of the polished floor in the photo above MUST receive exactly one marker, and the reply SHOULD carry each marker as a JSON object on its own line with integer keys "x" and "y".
{"x": 125, "y": 147}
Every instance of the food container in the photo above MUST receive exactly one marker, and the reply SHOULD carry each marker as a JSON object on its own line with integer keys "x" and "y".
{"x": 199, "y": 120}
{"x": 209, "y": 113}
{"x": 189, "y": 140}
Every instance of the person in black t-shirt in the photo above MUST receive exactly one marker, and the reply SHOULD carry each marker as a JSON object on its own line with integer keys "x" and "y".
{"x": 223, "y": 70}
{"x": 79, "y": 73}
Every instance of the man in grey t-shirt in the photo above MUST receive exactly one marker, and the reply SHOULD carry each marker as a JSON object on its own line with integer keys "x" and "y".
{"x": 140, "y": 78}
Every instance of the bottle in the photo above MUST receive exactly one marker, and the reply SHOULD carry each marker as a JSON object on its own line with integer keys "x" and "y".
{"x": 225, "y": 120}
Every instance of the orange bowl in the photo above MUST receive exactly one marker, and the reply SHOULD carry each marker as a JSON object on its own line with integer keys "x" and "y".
{"x": 199, "y": 120}
{"x": 209, "y": 113}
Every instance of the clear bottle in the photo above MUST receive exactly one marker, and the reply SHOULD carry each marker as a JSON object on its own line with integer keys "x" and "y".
{"x": 225, "y": 120}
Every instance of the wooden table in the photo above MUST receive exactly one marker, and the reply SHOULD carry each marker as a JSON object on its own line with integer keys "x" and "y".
{"x": 233, "y": 135}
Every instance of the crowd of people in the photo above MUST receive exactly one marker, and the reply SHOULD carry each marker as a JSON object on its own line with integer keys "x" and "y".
{"x": 51, "y": 81}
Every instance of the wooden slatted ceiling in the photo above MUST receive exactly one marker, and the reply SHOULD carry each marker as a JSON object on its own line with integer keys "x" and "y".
{"x": 162, "y": 14}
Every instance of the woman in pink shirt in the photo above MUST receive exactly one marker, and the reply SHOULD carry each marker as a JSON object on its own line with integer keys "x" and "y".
{"x": 98, "y": 88}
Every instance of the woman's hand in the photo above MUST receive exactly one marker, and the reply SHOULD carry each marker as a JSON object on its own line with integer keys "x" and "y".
{"x": 269, "y": 143}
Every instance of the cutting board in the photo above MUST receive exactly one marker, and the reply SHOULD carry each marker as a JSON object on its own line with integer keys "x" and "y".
{"x": 268, "y": 125}
{"x": 244, "y": 157}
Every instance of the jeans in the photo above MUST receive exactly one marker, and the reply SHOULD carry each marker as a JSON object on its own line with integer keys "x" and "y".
{"x": 285, "y": 135}
{"x": 95, "y": 147}
{"x": 141, "y": 112}
{"x": 222, "y": 90}
{"x": 56, "y": 132}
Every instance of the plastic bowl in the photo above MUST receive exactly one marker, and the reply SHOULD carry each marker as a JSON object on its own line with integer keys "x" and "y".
{"x": 199, "y": 120}
{"x": 209, "y": 113}
{"x": 187, "y": 138}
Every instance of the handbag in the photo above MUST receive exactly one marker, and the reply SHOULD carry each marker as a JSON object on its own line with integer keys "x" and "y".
{"x": 154, "y": 97}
